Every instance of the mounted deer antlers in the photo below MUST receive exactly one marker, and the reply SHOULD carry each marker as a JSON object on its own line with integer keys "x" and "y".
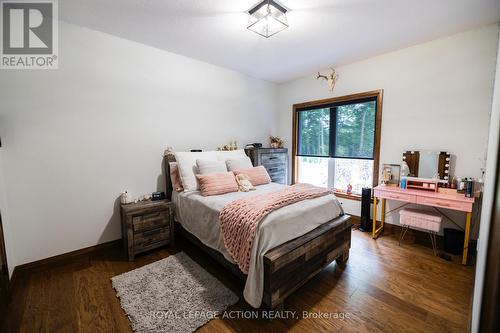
{"x": 331, "y": 78}
{"x": 321, "y": 76}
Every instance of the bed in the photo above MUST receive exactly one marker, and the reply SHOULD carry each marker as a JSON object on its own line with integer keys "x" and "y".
{"x": 285, "y": 256}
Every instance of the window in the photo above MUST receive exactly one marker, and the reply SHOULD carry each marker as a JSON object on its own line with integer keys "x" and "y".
{"x": 336, "y": 141}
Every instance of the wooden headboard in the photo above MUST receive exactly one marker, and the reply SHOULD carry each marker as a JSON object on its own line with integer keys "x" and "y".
{"x": 168, "y": 188}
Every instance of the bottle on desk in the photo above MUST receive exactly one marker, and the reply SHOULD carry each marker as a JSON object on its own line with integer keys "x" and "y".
{"x": 403, "y": 183}
{"x": 469, "y": 188}
{"x": 461, "y": 184}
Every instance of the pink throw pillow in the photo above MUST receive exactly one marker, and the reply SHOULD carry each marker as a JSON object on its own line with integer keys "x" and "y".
{"x": 175, "y": 177}
{"x": 217, "y": 183}
{"x": 258, "y": 175}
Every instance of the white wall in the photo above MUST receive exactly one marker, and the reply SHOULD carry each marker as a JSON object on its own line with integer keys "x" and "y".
{"x": 489, "y": 194}
{"x": 437, "y": 95}
{"x": 5, "y": 217}
{"x": 74, "y": 138}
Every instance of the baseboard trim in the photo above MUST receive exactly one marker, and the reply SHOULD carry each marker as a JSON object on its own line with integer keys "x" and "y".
{"x": 356, "y": 220}
{"x": 420, "y": 236}
{"x": 12, "y": 283}
{"x": 62, "y": 258}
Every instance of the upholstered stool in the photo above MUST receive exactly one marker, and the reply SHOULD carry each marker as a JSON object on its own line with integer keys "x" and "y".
{"x": 425, "y": 220}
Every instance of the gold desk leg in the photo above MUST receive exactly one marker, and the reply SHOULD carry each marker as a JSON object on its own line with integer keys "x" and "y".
{"x": 382, "y": 214}
{"x": 376, "y": 231}
{"x": 466, "y": 238}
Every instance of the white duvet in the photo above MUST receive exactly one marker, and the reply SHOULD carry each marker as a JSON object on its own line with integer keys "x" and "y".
{"x": 200, "y": 216}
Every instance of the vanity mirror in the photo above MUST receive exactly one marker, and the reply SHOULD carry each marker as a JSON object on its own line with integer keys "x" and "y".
{"x": 428, "y": 164}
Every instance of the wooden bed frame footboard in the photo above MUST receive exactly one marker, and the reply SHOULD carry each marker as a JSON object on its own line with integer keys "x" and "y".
{"x": 290, "y": 265}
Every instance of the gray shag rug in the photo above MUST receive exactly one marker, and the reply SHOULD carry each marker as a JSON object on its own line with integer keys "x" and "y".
{"x": 174, "y": 294}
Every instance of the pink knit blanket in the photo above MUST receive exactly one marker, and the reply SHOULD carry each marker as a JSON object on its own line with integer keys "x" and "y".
{"x": 239, "y": 219}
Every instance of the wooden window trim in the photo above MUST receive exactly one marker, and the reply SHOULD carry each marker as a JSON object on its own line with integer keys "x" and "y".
{"x": 344, "y": 195}
{"x": 378, "y": 94}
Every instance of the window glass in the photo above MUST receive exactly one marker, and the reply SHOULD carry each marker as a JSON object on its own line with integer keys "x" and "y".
{"x": 313, "y": 170}
{"x": 355, "y": 128}
{"x": 336, "y": 144}
{"x": 314, "y": 132}
{"x": 356, "y": 172}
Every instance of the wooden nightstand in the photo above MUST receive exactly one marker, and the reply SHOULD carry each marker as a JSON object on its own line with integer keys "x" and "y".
{"x": 146, "y": 226}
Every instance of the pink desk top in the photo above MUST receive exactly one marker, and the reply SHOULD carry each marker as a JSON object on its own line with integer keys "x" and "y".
{"x": 428, "y": 194}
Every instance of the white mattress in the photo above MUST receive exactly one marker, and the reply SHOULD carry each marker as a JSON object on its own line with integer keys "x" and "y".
{"x": 200, "y": 216}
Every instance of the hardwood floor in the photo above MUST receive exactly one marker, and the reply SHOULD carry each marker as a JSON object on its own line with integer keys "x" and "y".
{"x": 383, "y": 288}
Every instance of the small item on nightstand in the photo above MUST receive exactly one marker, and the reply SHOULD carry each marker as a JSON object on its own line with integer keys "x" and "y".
{"x": 349, "y": 189}
{"x": 155, "y": 196}
{"x": 126, "y": 198}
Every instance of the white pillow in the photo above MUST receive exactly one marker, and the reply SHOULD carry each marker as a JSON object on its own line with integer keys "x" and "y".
{"x": 208, "y": 166}
{"x": 230, "y": 154}
{"x": 239, "y": 163}
{"x": 186, "y": 162}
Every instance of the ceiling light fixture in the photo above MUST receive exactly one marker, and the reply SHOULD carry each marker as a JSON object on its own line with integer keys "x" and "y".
{"x": 267, "y": 18}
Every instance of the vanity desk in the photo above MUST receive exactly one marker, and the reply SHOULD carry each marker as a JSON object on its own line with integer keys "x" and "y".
{"x": 444, "y": 199}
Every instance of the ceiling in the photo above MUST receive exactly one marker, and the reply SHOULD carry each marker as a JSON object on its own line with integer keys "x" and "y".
{"x": 322, "y": 33}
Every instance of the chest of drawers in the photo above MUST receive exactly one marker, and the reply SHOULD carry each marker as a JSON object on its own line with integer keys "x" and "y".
{"x": 275, "y": 160}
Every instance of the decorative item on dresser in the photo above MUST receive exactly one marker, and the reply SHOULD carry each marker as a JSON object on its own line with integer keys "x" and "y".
{"x": 147, "y": 225}
{"x": 275, "y": 160}
{"x": 276, "y": 142}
